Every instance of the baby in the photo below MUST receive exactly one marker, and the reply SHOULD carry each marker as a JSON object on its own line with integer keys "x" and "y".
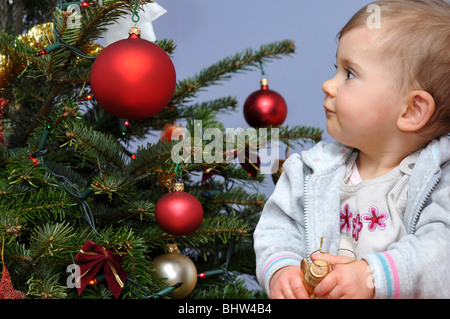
{"x": 382, "y": 190}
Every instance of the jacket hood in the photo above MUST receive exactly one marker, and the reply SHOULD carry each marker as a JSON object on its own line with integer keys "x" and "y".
{"x": 440, "y": 150}
{"x": 326, "y": 157}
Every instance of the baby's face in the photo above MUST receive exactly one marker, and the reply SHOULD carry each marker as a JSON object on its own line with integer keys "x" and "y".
{"x": 362, "y": 101}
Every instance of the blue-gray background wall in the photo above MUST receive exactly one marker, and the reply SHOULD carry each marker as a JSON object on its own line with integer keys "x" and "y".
{"x": 206, "y": 31}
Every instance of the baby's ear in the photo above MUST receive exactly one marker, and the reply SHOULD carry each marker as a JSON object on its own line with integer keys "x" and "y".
{"x": 416, "y": 112}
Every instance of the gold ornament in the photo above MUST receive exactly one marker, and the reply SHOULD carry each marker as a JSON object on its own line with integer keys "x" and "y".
{"x": 37, "y": 37}
{"x": 11, "y": 66}
{"x": 176, "y": 267}
{"x": 92, "y": 49}
{"x": 314, "y": 273}
{"x": 134, "y": 30}
{"x": 9, "y": 69}
{"x": 178, "y": 187}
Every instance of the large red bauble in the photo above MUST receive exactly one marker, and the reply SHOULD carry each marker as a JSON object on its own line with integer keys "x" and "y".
{"x": 264, "y": 108}
{"x": 133, "y": 78}
{"x": 178, "y": 213}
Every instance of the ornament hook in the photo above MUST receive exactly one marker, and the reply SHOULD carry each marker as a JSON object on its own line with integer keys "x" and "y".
{"x": 135, "y": 17}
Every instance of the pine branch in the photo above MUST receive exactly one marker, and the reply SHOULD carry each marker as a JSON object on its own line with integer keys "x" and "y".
{"x": 300, "y": 134}
{"x": 48, "y": 239}
{"x": 96, "y": 19}
{"x": 151, "y": 158}
{"x": 18, "y": 49}
{"x": 212, "y": 228}
{"x": 46, "y": 288}
{"x": 177, "y": 113}
{"x": 45, "y": 108}
{"x": 167, "y": 45}
{"x": 220, "y": 71}
{"x": 118, "y": 184}
{"x": 94, "y": 144}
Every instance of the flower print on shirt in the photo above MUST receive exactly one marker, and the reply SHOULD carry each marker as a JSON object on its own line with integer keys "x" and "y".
{"x": 357, "y": 226}
{"x": 346, "y": 217}
{"x": 375, "y": 219}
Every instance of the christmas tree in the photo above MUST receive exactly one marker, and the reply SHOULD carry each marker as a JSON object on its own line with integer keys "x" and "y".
{"x": 84, "y": 216}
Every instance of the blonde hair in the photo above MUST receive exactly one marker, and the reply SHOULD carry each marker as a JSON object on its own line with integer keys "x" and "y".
{"x": 417, "y": 34}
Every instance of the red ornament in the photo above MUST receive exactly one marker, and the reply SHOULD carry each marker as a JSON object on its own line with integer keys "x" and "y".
{"x": 166, "y": 133}
{"x": 179, "y": 213}
{"x": 265, "y": 107}
{"x": 133, "y": 78}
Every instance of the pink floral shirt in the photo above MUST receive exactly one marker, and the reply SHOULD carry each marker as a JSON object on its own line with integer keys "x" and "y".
{"x": 372, "y": 210}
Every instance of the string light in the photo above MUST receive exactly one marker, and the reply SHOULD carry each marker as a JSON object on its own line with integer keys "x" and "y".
{"x": 44, "y": 138}
{"x": 86, "y": 4}
{"x": 57, "y": 45}
{"x": 88, "y": 192}
{"x": 48, "y": 49}
{"x": 167, "y": 290}
{"x": 164, "y": 292}
{"x": 97, "y": 279}
{"x": 209, "y": 273}
{"x": 64, "y": 181}
{"x": 124, "y": 127}
{"x": 33, "y": 159}
{"x": 211, "y": 194}
{"x": 85, "y": 98}
{"x": 83, "y": 4}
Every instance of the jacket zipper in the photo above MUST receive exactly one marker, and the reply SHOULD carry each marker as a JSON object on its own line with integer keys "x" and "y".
{"x": 306, "y": 212}
{"x": 435, "y": 181}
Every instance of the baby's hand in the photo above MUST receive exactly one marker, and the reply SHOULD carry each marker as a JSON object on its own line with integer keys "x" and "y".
{"x": 287, "y": 283}
{"x": 346, "y": 280}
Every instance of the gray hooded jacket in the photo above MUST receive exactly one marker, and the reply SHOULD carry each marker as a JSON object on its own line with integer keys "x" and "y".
{"x": 305, "y": 207}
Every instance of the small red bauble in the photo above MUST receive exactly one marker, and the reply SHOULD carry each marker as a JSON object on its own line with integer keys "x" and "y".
{"x": 166, "y": 133}
{"x": 178, "y": 213}
{"x": 265, "y": 107}
{"x": 133, "y": 78}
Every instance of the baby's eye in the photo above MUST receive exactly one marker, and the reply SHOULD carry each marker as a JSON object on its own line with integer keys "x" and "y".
{"x": 350, "y": 74}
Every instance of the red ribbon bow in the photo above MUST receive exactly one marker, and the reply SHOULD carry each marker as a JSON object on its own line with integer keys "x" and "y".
{"x": 92, "y": 257}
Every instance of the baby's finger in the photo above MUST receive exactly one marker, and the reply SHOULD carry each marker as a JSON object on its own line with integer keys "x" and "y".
{"x": 326, "y": 287}
{"x": 331, "y": 259}
{"x": 299, "y": 290}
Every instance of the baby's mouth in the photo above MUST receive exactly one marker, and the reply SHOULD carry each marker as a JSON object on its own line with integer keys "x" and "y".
{"x": 327, "y": 110}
